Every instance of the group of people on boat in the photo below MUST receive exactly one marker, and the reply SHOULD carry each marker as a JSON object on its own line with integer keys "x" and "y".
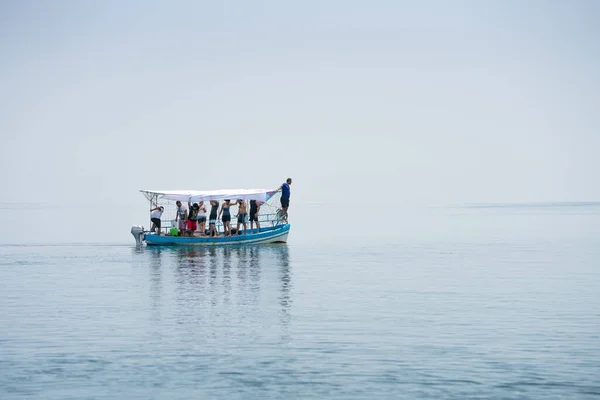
{"x": 193, "y": 218}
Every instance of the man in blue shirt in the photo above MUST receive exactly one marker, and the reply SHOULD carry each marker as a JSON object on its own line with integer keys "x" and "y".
{"x": 285, "y": 197}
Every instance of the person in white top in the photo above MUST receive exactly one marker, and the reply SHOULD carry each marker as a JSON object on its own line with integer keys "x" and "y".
{"x": 155, "y": 215}
{"x": 202, "y": 218}
{"x": 181, "y": 217}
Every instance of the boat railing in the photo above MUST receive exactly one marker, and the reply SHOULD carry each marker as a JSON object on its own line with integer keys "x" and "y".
{"x": 265, "y": 220}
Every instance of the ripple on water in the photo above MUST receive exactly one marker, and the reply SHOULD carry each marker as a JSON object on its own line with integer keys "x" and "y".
{"x": 496, "y": 319}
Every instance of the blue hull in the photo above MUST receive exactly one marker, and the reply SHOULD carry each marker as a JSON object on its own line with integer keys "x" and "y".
{"x": 276, "y": 234}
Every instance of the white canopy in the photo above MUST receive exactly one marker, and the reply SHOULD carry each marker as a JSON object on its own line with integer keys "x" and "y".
{"x": 207, "y": 195}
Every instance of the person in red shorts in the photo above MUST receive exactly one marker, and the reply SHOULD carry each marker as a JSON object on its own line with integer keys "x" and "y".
{"x": 192, "y": 218}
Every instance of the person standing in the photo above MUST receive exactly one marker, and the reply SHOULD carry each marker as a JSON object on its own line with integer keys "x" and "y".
{"x": 254, "y": 209}
{"x": 180, "y": 217}
{"x": 285, "y": 198}
{"x": 242, "y": 215}
{"x": 212, "y": 219}
{"x": 155, "y": 215}
{"x": 226, "y": 219}
{"x": 202, "y": 218}
{"x": 192, "y": 218}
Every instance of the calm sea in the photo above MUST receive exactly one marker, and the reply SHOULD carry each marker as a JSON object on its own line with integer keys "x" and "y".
{"x": 498, "y": 302}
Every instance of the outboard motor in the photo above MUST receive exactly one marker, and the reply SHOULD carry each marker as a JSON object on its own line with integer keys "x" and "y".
{"x": 138, "y": 233}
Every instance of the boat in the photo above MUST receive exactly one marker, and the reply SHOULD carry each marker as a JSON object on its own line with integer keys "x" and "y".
{"x": 274, "y": 228}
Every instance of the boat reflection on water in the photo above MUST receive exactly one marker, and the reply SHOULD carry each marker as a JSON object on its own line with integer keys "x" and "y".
{"x": 285, "y": 279}
{"x": 213, "y": 284}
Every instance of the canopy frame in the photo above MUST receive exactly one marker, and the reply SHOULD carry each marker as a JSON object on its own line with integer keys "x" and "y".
{"x": 206, "y": 195}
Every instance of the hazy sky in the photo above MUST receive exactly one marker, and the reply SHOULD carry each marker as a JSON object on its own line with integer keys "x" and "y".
{"x": 429, "y": 102}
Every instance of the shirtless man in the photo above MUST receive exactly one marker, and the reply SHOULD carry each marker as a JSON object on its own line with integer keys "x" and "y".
{"x": 241, "y": 216}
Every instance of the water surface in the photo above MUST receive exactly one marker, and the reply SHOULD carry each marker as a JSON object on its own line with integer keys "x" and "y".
{"x": 486, "y": 303}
